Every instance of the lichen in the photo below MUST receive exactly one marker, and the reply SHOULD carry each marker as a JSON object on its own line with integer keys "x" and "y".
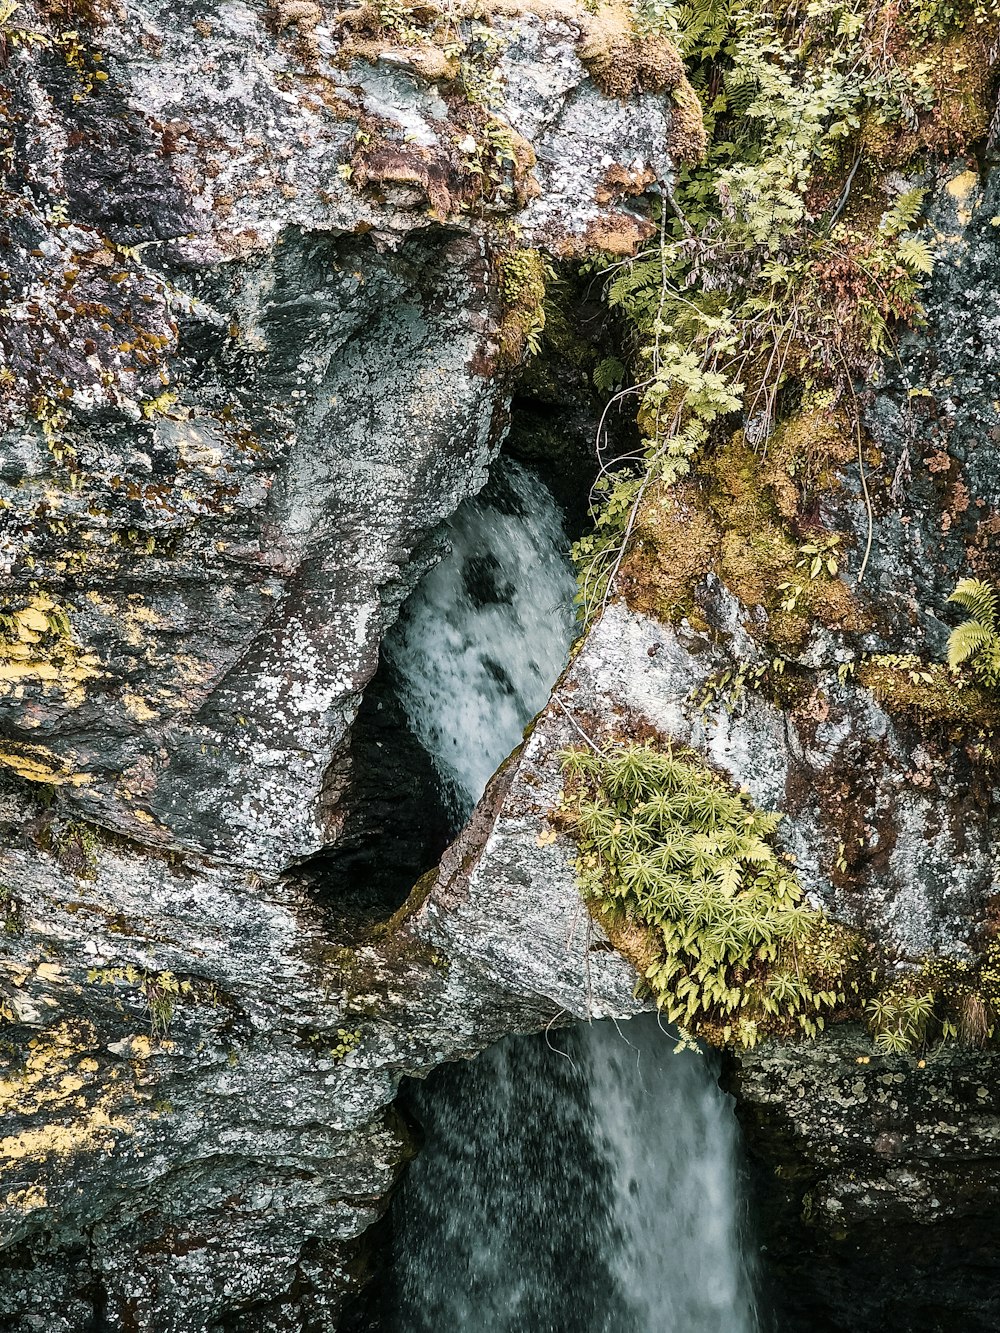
{"x": 39, "y": 648}
{"x": 69, "y": 1102}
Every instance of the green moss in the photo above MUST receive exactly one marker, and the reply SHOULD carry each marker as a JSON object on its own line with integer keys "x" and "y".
{"x": 11, "y": 918}
{"x": 735, "y": 520}
{"x": 522, "y": 275}
{"x": 924, "y": 692}
{"x": 685, "y": 872}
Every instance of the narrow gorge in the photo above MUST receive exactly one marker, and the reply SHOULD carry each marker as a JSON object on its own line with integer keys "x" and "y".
{"x": 499, "y": 666}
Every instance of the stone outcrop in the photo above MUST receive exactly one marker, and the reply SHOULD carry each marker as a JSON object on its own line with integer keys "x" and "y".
{"x": 252, "y": 331}
{"x": 255, "y": 348}
{"x": 876, "y": 1175}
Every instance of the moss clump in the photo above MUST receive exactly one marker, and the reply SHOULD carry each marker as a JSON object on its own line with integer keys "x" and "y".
{"x": 676, "y": 542}
{"x": 622, "y": 61}
{"x": 685, "y": 871}
{"x": 737, "y": 521}
{"x": 11, "y": 922}
{"x": 929, "y": 692}
{"x": 521, "y": 278}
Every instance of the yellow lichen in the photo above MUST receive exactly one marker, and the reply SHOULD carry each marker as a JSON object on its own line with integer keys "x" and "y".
{"x": 38, "y": 647}
{"x": 26, "y": 1200}
{"x": 35, "y": 763}
{"x": 46, "y": 1092}
{"x": 137, "y": 707}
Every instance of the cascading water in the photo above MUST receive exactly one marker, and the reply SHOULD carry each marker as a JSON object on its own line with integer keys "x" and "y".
{"x": 585, "y": 1184}
{"x": 478, "y": 647}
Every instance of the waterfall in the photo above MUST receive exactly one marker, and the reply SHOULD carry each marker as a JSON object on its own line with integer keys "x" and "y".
{"x": 581, "y": 1183}
{"x": 594, "y": 1191}
{"x": 479, "y": 645}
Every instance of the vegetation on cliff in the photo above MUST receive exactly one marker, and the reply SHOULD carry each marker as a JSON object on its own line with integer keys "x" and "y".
{"x": 719, "y": 924}
{"x": 793, "y": 252}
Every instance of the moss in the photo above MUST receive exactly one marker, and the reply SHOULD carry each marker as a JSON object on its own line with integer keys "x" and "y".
{"x": 959, "y": 71}
{"x": 737, "y": 520}
{"x": 687, "y": 140}
{"x": 928, "y": 692}
{"x": 623, "y": 62}
{"x": 11, "y": 916}
{"x": 676, "y": 543}
{"x": 521, "y": 279}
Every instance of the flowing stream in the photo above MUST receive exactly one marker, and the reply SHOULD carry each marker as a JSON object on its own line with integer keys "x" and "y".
{"x": 586, "y": 1182}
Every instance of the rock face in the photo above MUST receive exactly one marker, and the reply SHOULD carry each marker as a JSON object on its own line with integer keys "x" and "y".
{"x": 261, "y": 292}
{"x": 876, "y": 1175}
{"x": 260, "y": 301}
{"x": 875, "y": 1184}
{"x": 253, "y": 331}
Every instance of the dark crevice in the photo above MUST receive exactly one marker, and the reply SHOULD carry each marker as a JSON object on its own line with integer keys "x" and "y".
{"x": 396, "y": 818}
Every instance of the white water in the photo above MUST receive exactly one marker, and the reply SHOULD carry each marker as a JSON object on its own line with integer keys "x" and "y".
{"x": 479, "y": 646}
{"x": 591, "y": 1188}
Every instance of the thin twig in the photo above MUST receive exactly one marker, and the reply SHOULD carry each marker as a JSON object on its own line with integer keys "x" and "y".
{"x": 576, "y": 726}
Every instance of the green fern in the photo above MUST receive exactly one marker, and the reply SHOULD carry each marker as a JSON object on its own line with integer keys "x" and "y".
{"x": 977, "y": 640}
{"x": 903, "y": 213}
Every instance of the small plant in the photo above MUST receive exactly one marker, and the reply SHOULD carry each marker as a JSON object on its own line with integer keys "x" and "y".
{"x": 158, "y": 992}
{"x": 731, "y": 950}
{"x": 977, "y": 640}
{"x": 10, "y": 911}
{"x": 346, "y": 1043}
{"x": 819, "y": 556}
{"x": 899, "y": 1018}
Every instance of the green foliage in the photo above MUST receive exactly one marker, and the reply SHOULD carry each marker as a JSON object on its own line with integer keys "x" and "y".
{"x": 771, "y": 281}
{"x": 522, "y": 278}
{"x": 158, "y": 992}
{"x": 347, "y": 1041}
{"x": 899, "y": 1016}
{"x": 944, "y": 999}
{"x": 728, "y": 688}
{"x": 10, "y": 911}
{"x": 938, "y": 18}
{"x": 734, "y": 952}
{"x": 977, "y": 640}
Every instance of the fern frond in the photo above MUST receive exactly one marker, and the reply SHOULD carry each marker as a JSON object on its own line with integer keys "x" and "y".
{"x": 904, "y": 212}
{"x": 979, "y": 599}
{"x": 966, "y": 641}
{"x": 916, "y": 255}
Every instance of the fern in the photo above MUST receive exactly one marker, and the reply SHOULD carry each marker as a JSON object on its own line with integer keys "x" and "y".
{"x": 976, "y": 641}
{"x": 978, "y": 598}
{"x": 903, "y": 213}
{"x": 915, "y": 255}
